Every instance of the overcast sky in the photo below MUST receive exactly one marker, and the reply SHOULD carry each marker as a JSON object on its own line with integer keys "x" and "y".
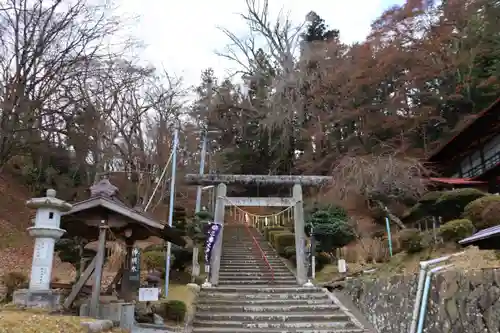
{"x": 181, "y": 35}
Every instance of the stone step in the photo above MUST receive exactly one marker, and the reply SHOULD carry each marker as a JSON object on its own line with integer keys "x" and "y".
{"x": 265, "y": 302}
{"x": 257, "y": 257}
{"x": 218, "y": 296}
{"x": 222, "y": 308}
{"x": 237, "y": 283}
{"x": 260, "y": 268}
{"x": 277, "y": 278}
{"x": 252, "y": 268}
{"x": 295, "y": 323}
{"x": 250, "y": 256}
{"x": 253, "y": 249}
{"x": 267, "y": 290}
{"x": 254, "y": 261}
{"x": 278, "y": 317}
{"x": 240, "y": 250}
{"x": 244, "y": 243}
{"x": 274, "y": 330}
{"x": 250, "y": 262}
{"x": 253, "y": 274}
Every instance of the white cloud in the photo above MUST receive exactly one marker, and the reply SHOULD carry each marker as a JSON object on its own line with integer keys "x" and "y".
{"x": 181, "y": 36}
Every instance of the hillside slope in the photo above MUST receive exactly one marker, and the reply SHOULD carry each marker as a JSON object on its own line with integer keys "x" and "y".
{"x": 16, "y": 246}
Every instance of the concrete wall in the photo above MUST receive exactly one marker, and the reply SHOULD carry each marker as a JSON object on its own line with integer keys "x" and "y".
{"x": 459, "y": 302}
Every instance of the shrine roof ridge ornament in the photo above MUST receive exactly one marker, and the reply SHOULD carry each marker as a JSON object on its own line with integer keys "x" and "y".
{"x": 215, "y": 179}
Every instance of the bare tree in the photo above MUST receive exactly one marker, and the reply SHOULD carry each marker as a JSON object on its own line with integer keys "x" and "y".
{"x": 40, "y": 44}
{"x": 127, "y": 116}
{"x": 275, "y": 57}
{"x": 380, "y": 179}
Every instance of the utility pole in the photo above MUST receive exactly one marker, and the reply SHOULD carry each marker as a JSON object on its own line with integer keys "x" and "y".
{"x": 171, "y": 205}
{"x": 204, "y": 138}
{"x": 202, "y": 168}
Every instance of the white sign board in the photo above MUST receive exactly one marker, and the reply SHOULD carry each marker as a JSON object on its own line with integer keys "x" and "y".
{"x": 148, "y": 294}
{"x": 342, "y": 266}
{"x": 260, "y": 202}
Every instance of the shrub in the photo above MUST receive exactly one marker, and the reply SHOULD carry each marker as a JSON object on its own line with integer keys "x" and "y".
{"x": 411, "y": 240}
{"x": 456, "y": 230}
{"x": 490, "y": 216}
{"x": 273, "y": 233}
{"x": 13, "y": 281}
{"x": 289, "y": 251}
{"x": 479, "y": 211}
{"x": 269, "y": 229}
{"x": 414, "y": 213}
{"x": 293, "y": 260}
{"x": 335, "y": 235}
{"x": 173, "y": 310}
{"x": 154, "y": 260}
{"x": 430, "y": 197}
{"x": 283, "y": 240}
{"x": 331, "y": 228}
{"x": 182, "y": 258}
{"x": 321, "y": 260}
{"x": 451, "y": 204}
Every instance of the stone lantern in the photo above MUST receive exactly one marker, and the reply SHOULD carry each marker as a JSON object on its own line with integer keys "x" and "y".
{"x": 46, "y": 232}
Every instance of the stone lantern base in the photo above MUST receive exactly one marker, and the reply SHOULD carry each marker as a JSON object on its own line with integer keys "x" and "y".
{"x": 47, "y": 299}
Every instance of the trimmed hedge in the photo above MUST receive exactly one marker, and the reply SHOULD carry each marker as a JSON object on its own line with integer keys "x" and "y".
{"x": 283, "y": 240}
{"x": 451, "y": 204}
{"x": 289, "y": 251}
{"x": 273, "y": 233}
{"x": 269, "y": 229}
{"x": 174, "y": 310}
{"x": 455, "y": 230}
{"x": 479, "y": 211}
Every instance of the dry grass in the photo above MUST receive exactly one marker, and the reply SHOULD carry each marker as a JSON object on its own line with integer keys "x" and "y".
{"x": 39, "y": 321}
{"x": 473, "y": 258}
{"x": 406, "y": 264}
{"x": 369, "y": 251}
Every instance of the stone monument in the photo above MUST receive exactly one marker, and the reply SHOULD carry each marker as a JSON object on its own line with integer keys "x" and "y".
{"x": 45, "y": 231}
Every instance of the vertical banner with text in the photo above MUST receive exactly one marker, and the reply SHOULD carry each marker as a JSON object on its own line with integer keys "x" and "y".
{"x": 134, "y": 274}
{"x": 213, "y": 233}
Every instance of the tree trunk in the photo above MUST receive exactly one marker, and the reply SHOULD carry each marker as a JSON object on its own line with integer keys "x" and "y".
{"x": 391, "y": 216}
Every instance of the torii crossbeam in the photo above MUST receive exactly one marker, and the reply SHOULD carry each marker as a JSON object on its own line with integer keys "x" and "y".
{"x": 215, "y": 179}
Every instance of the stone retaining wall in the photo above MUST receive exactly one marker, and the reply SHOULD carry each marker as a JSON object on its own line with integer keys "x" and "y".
{"x": 459, "y": 302}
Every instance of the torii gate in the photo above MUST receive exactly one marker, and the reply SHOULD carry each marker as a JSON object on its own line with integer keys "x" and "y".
{"x": 296, "y": 200}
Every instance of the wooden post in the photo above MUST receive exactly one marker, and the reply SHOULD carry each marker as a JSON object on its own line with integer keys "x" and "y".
{"x": 127, "y": 287}
{"x": 217, "y": 249}
{"x": 300, "y": 236}
{"x": 96, "y": 290}
{"x": 79, "y": 285}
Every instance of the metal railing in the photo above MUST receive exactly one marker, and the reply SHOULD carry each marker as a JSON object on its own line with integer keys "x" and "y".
{"x": 262, "y": 253}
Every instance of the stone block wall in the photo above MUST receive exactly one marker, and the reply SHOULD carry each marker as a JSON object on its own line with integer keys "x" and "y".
{"x": 459, "y": 301}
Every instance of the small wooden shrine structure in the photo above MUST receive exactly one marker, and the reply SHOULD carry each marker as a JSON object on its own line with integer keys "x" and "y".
{"x": 102, "y": 214}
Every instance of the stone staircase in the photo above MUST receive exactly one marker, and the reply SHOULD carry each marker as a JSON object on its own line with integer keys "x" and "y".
{"x": 248, "y": 300}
